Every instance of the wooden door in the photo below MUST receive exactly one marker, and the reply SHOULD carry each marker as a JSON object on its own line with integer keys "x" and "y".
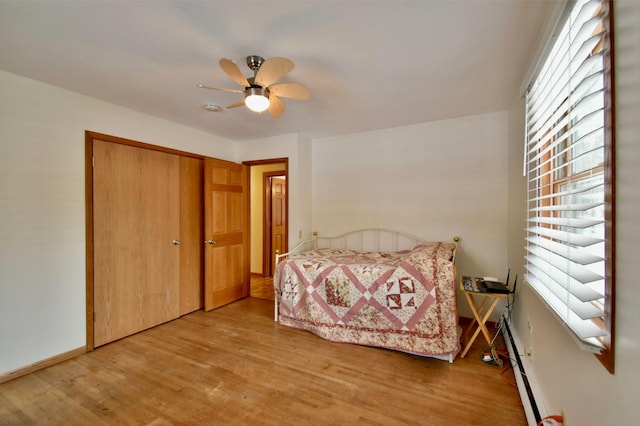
{"x": 136, "y": 220}
{"x": 226, "y": 270}
{"x": 191, "y": 235}
{"x": 278, "y": 219}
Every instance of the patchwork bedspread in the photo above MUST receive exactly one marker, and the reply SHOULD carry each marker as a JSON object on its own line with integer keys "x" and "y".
{"x": 403, "y": 300}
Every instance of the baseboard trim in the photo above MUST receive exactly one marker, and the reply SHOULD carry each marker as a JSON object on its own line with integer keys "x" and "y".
{"x": 524, "y": 387}
{"x": 5, "y": 377}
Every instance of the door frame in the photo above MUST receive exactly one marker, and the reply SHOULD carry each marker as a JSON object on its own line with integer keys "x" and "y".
{"x": 285, "y": 173}
{"x": 89, "y": 252}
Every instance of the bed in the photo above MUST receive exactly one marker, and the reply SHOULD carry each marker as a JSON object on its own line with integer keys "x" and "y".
{"x": 372, "y": 287}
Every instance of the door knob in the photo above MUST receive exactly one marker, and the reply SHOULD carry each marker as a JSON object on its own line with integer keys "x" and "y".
{"x": 176, "y": 242}
{"x": 210, "y": 242}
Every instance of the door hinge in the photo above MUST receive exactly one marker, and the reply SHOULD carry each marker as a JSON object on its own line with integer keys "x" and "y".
{"x": 93, "y": 161}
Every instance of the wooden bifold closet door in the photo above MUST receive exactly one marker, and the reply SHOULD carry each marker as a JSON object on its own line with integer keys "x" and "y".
{"x": 140, "y": 241}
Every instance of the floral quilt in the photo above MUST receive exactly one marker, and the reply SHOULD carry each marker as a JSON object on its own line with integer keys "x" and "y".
{"x": 402, "y": 300}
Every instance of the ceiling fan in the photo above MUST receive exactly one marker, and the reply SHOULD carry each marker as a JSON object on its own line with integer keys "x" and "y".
{"x": 260, "y": 92}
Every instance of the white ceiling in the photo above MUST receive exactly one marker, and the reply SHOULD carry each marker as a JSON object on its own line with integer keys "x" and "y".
{"x": 368, "y": 64}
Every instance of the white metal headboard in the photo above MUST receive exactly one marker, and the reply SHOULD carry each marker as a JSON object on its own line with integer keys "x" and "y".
{"x": 370, "y": 239}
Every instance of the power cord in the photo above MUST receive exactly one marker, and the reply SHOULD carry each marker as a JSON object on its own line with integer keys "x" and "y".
{"x": 505, "y": 317}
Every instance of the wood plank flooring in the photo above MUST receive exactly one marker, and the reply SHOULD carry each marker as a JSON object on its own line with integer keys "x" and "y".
{"x": 261, "y": 287}
{"x": 236, "y": 366}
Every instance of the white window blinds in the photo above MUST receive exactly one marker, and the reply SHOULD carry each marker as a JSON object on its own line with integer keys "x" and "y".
{"x": 567, "y": 178}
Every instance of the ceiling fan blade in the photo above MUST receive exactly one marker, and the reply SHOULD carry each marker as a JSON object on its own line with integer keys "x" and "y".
{"x": 272, "y": 70}
{"x": 202, "y": 86}
{"x": 276, "y": 106}
{"x": 236, "y": 105}
{"x": 290, "y": 90}
{"x": 233, "y": 71}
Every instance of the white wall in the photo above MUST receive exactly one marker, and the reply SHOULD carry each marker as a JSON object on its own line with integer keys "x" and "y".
{"x": 564, "y": 377}
{"x": 434, "y": 180}
{"x": 42, "y": 208}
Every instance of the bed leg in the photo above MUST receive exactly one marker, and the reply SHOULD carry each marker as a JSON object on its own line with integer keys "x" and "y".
{"x": 275, "y": 309}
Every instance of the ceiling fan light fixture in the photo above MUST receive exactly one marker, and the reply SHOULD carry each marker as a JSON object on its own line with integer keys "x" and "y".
{"x": 257, "y": 99}
{"x": 259, "y": 88}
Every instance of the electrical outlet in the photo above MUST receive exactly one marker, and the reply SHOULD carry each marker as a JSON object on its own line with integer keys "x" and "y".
{"x": 528, "y": 351}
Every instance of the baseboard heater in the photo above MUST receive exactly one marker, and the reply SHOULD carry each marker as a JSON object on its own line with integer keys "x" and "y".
{"x": 526, "y": 394}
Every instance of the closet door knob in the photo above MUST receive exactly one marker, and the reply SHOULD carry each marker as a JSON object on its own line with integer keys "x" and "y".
{"x": 212, "y": 242}
{"x": 176, "y": 242}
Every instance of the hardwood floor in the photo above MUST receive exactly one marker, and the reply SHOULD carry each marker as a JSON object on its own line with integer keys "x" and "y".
{"x": 261, "y": 287}
{"x": 236, "y": 366}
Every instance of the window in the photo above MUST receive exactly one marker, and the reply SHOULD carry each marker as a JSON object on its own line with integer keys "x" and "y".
{"x": 569, "y": 165}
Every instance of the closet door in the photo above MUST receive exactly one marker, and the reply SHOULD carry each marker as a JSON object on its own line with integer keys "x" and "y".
{"x": 136, "y": 209}
{"x": 191, "y": 235}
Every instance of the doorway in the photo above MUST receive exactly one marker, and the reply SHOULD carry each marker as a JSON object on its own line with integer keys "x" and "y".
{"x": 266, "y": 177}
{"x": 275, "y": 219}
